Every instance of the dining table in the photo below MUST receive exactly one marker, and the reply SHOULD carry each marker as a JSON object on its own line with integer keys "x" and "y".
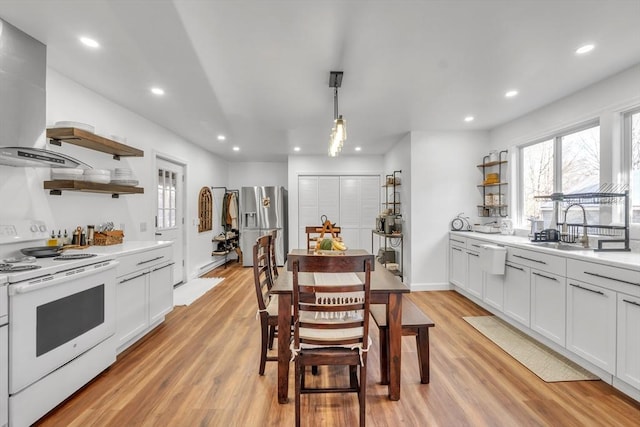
{"x": 386, "y": 288}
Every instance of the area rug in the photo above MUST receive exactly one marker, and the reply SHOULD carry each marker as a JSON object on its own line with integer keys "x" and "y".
{"x": 194, "y": 289}
{"x": 539, "y": 359}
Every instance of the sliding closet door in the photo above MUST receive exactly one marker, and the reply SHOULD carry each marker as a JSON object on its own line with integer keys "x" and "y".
{"x": 352, "y": 202}
{"x": 359, "y": 207}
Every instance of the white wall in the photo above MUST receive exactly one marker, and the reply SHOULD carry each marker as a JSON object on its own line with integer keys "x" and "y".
{"x": 249, "y": 174}
{"x": 24, "y": 197}
{"x": 399, "y": 158}
{"x": 324, "y": 165}
{"x": 444, "y": 175}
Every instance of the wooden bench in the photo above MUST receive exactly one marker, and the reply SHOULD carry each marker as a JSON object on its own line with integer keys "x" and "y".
{"x": 414, "y": 322}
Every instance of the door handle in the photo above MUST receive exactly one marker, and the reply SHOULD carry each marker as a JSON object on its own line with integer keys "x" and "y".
{"x": 158, "y": 234}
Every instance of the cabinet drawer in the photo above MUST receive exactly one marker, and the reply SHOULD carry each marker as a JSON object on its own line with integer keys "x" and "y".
{"x": 614, "y": 278}
{"x": 545, "y": 262}
{"x": 141, "y": 260}
{"x": 458, "y": 241}
{"x": 474, "y": 244}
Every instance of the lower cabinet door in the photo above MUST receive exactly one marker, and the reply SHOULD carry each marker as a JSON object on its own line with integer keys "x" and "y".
{"x": 474, "y": 274}
{"x": 517, "y": 292}
{"x": 494, "y": 290}
{"x": 160, "y": 292}
{"x": 628, "y": 366}
{"x": 548, "y": 305}
{"x": 131, "y": 304}
{"x": 458, "y": 266}
{"x": 591, "y": 323}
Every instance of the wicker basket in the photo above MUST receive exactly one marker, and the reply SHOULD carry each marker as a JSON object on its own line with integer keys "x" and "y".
{"x": 107, "y": 238}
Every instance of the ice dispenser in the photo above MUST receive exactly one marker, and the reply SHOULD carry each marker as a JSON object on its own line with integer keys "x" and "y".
{"x": 492, "y": 258}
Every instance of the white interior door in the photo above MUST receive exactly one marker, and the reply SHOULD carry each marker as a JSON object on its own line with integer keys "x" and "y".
{"x": 170, "y": 212}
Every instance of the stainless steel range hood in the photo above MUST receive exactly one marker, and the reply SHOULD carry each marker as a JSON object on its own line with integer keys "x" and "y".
{"x": 36, "y": 157}
{"x": 23, "y": 62}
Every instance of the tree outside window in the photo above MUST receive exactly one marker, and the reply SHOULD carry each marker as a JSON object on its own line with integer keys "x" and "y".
{"x": 567, "y": 163}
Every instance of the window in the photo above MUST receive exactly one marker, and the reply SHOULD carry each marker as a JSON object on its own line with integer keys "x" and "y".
{"x": 567, "y": 163}
{"x": 632, "y": 137}
{"x": 166, "y": 199}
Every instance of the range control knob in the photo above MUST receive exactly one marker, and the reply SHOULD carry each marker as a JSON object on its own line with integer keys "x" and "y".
{"x": 43, "y": 228}
{"x": 33, "y": 228}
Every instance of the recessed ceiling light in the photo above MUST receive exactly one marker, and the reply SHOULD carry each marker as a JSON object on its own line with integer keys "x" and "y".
{"x": 89, "y": 42}
{"x": 236, "y": 148}
{"x": 222, "y": 138}
{"x": 296, "y": 148}
{"x": 469, "y": 119}
{"x": 511, "y": 93}
{"x": 358, "y": 148}
{"x": 584, "y": 49}
{"x": 157, "y": 91}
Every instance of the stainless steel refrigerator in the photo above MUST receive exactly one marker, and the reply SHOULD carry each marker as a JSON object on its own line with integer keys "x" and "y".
{"x": 262, "y": 209}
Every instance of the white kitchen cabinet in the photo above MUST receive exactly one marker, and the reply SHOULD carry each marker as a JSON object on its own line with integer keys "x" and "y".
{"x": 517, "y": 292}
{"x": 591, "y": 323}
{"x": 628, "y": 354}
{"x": 458, "y": 261}
{"x": 475, "y": 275}
{"x": 548, "y": 305}
{"x": 494, "y": 290}
{"x": 131, "y": 307}
{"x": 160, "y": 295}
{"x": 144, "y": 293}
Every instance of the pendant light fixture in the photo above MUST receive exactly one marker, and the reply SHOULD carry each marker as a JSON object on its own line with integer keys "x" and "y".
{"x": 339, "y": 130}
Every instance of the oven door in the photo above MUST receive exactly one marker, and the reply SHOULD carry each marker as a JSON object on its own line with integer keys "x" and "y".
{"x": 57, "y": 318}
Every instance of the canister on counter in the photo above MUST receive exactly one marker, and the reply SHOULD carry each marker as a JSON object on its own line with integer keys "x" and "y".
{"x": 90, "y": 232}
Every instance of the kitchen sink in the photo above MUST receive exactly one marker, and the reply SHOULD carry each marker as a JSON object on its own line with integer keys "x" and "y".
{"x": 560, "y": 246}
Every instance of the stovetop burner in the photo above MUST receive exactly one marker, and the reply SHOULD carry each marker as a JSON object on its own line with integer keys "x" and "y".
{"x": 10, "y": 268}
{"x": 73, "y": 256}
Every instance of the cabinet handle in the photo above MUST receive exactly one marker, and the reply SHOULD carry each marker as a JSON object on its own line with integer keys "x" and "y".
{"x": 473, "y": 254}
{"x": 134, "y": 277}
{"x": 456, "y": 249}
{"x": 513, "y": 266}
{"x": 631, "y": 302}
{"x": 164, "y": 266}
{"x": 611, "y": 278}
{"x": 461, "y": 242}
{"x": 529, "y": 259}
{"x": 546, "y": 277}
{"x": 150, "y": 260}
{"x": 587, "y": 289}
{"x": 476, "y": 246}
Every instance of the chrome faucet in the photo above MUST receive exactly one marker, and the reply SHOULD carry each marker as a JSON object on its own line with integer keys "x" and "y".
{"x": 584, "y": 239}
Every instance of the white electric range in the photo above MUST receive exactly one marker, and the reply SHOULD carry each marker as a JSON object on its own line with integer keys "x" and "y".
{"x": 61, "y": 318}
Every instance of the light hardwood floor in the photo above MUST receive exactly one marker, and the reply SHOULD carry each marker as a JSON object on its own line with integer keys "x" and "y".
{"x": 200, "y": 368}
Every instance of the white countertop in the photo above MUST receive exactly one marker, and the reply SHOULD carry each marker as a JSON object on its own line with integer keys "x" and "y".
{"x": 122, "y": 249}
{"x": 629, "y": 260}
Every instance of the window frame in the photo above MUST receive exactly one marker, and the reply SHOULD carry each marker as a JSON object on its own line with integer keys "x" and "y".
{"x": 556, "y": 137}
{"x": 626, "y": 160}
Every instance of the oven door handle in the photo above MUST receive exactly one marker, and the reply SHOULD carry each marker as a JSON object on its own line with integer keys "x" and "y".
{"x": 55, "y": 279}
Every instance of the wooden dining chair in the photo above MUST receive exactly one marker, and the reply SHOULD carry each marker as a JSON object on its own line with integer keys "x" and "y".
{"x": 274, "y": 262}
{"x": 267, "y": 306}
{"x": 331, "y": 321}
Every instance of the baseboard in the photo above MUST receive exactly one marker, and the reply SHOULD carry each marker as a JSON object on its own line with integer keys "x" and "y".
{"x": 208, "y": 267}
{"x": 444, "y": 286}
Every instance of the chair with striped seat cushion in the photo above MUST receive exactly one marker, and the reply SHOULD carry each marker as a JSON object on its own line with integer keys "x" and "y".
{"x": 331, "y": 320}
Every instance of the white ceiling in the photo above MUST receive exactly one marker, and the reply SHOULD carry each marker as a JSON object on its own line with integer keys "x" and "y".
{"x": 258, "y": 71}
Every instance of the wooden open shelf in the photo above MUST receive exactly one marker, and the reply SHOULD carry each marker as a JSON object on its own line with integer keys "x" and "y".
{"x": 92, "y": 141}
{"x": 56, "y": 187}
